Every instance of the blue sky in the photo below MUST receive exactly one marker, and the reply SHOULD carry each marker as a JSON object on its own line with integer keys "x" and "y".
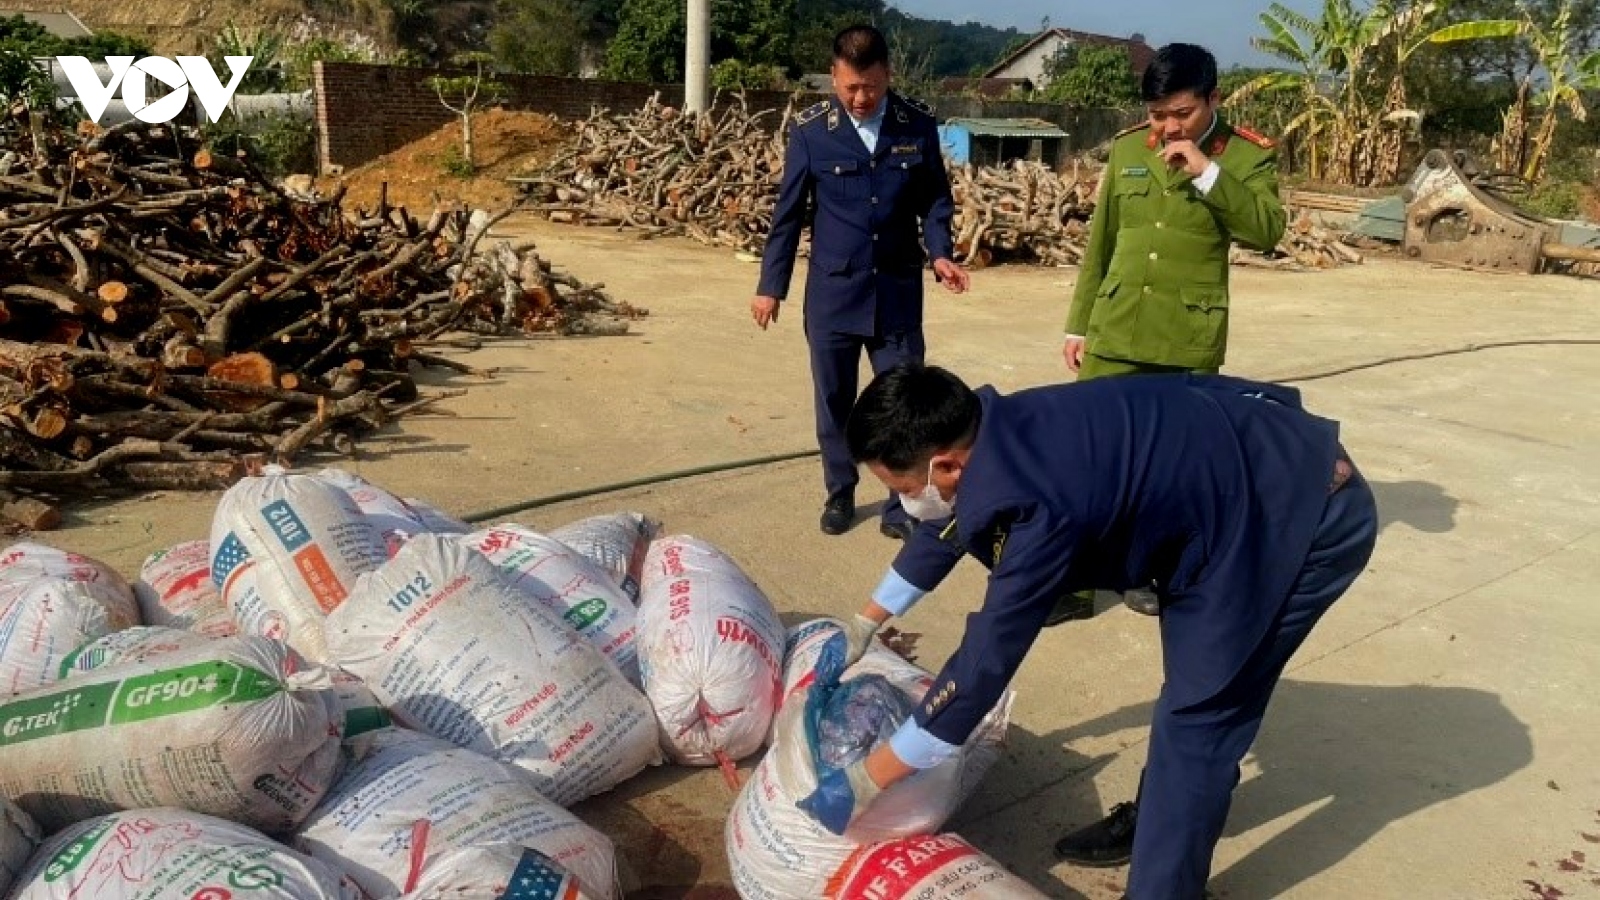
{"x": 1224, "y": 26}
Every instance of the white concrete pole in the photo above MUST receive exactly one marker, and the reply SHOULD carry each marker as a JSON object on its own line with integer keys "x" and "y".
{"x": 697, "y": 62}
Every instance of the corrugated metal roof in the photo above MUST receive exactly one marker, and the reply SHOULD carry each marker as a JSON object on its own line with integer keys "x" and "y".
{"x": 60, "y": 24}
{"x": 1017, "y": 128}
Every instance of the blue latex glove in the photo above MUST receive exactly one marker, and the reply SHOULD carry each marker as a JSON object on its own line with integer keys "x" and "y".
{"x": 841, "y": 797}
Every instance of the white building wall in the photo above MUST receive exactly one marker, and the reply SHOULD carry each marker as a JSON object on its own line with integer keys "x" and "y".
{"x": 1032, "y": 64}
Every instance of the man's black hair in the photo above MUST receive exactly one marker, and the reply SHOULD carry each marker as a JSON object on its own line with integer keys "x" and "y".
{"x": 861, "y": 47}
{"x": 908, "y": 413}
{"x": 1178, "y": 68}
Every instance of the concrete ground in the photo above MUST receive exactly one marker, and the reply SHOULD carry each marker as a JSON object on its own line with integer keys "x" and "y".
{"x": 1434, "y": 738}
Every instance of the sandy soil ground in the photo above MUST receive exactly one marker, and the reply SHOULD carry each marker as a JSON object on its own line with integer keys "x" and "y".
{"x": 1434, "y": 738}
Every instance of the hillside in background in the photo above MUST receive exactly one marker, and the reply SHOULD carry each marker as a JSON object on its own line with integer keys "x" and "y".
{"x": 190, "y": 26}
{"x": 436, "y": 30}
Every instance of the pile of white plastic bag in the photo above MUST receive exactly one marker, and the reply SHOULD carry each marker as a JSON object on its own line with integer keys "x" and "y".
{"x": 830, "y": 717}
{"x": 343, "y": 694}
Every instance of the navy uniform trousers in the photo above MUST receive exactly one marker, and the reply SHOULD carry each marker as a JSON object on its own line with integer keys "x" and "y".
{"x": 835, "y": 373}
{"x": 872, "y": 212}
{"x": 1193, "y": 764}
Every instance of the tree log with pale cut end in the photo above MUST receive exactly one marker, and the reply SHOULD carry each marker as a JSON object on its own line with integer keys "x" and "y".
{"x": 112, "y": 291}
{"x": 48, "y": 422}
{"x": 29, "y": 512}
{"x": 246, "y": 368}
{"x": 154, "y": 289}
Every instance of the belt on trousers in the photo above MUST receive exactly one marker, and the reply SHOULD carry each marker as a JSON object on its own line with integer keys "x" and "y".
{"x": 1342, "y": 470}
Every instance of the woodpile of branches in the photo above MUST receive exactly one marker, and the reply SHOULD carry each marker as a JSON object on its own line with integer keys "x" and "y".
{"x": 1026, "y": 212}
{"x": 712, "y": 176}
{"x": 167, "y": 313}
{"x": 1304, "y": 246}
{"x": 1023, "y": 212}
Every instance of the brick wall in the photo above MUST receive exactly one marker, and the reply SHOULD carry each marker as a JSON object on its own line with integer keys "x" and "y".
{"x": 364, "y": 111}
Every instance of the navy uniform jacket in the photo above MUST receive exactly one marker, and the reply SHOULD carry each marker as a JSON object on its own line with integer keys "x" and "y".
{"x": 1210, "y": 486}
{"x": 865, "y": 276}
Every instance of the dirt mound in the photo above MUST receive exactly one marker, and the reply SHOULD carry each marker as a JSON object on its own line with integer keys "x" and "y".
{"x": 504, "y": 143}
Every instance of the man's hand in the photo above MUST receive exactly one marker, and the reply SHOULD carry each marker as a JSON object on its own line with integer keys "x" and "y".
{"x": 858, "y": 635}
{"x": 841, "y": 796}
{"x": 1186, "y": 156}
{"x": 764, "y": 310}
{"x": 956, "y": 280}
{"x": 1072, "y": 350}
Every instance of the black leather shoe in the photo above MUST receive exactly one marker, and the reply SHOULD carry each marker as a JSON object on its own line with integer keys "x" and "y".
{"x": 900, "y": 531}
{"x": 1071, "y": 608}
{"x": 1142, "y": 601}
{"x": 838, "y": 514}
{"x": 1106, "y": 843}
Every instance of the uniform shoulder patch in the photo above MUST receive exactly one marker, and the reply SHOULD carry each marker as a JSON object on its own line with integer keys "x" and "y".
{"x": 1131, "y": 129}
{"x": 812, "y": 112}
{"x": 918, "y": 105}
{"x": 1256, "y": 138}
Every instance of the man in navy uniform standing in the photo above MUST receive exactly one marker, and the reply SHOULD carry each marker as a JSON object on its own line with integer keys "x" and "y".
{"x": 867, "y": 164}
{"x": 1241, "y": 507}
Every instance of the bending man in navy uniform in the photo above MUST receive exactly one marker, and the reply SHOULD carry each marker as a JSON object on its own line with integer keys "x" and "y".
{"x": 1240, "y": 506}
{"x": 869, "y": 163}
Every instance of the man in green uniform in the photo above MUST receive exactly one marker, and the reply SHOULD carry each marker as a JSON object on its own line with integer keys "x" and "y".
{"x": 1152, "y": 292}
{"x": 1152, "y": 295}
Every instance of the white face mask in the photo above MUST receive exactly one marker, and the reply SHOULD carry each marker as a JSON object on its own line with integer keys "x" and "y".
{"x": 927, "y": 505}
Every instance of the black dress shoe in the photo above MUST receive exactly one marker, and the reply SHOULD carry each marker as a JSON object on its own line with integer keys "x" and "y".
{"x": 1106, "y": 843}
{"x": 1143, "y": 601}
{"x": 838, "y": 514}
{"x": 1071, "y": 608}
{"x": 900, "y": 531}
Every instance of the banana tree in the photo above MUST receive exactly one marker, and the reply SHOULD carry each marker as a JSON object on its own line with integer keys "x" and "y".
{"x": 1566, "y": 76}
{"x": 1354, "y": 123}
{"x": 1309, "y": 46}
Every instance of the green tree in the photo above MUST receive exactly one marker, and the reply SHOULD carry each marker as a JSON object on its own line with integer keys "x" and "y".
{"x": 263, "y": 46}
{"x": 109, "y": 43}
{"x": 736, "y": 75}
{"x": 543, "y": 37}
{"x": 297, "y": 58}
{"x": 650, "y": 42}
{"x": 465, "y": 95}
{"x": 1509, "y": 61}
{"x": 1564, "y": 73}
{"x": 1348, "y": 76}
{"x": 652, "y": 37}
{"x": 25, "y": 82}
{"x": 22, "y": 80}
{"x": 33, "y": 39}
{"x": 1091, "y": 76}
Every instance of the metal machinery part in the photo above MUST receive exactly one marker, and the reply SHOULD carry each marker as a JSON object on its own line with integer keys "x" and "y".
{"x": 1450, "y": 221}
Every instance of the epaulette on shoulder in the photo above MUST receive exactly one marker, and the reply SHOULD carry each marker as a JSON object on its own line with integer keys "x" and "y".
{"x": 1259, "y": 140}
{"x": 1131, "y": 129}
{"x": 918, "y": 105}
{"x": 812, "y": 112}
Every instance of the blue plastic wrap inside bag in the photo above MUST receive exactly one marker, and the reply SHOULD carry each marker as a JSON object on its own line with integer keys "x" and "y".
{"x": 846, "y": 720}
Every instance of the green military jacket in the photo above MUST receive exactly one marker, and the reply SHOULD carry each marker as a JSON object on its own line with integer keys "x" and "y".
{"x": 1153, "y": 286}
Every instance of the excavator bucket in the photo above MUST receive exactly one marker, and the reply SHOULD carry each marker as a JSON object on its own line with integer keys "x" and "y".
{"x": 1452, "y": 222}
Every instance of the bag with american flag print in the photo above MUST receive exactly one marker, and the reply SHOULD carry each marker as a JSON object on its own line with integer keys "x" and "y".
{"x": 497, "y": 872}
